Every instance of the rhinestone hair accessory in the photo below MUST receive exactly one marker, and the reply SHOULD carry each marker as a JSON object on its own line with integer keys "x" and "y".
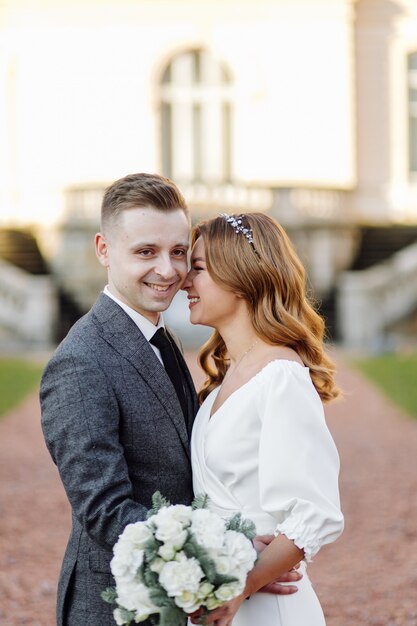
{"x": 240, "y": 229}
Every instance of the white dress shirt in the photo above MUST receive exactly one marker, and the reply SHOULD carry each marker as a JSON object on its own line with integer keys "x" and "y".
{"x": 145, "y": 326}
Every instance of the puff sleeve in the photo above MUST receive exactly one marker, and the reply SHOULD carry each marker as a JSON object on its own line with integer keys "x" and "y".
{"x": 298, "y": 460}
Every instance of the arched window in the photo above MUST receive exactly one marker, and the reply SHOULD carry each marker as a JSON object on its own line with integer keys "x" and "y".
{"x": 412, "y": 111}
{"x": 196, "y": 119}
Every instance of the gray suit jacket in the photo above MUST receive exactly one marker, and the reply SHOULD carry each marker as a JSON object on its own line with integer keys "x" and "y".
{"x": 115, "y": 429}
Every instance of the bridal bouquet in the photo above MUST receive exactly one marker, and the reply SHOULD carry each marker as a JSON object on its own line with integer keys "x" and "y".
{"x": 180, "y": 559}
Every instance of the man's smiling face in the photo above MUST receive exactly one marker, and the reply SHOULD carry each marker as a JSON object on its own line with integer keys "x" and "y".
{"x": 145, "y": 252}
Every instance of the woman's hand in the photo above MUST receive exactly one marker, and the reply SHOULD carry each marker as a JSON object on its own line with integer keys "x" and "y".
{"x": 260, "y": 542}
{"x": 276, "y": 560}
{"x": 223, "y": 616}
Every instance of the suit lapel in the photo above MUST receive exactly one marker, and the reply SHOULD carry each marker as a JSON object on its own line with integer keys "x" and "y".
{"x": 120, "y": 331}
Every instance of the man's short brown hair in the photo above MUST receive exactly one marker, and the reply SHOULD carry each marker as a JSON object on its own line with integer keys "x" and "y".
{"x": 140, "y": 190}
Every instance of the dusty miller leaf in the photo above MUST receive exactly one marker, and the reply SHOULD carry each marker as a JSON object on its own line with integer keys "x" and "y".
{"x": 158, "y": 502}
{"x": 158, "y": 595}
{"x": 201, "y": 501}
{"x": 128, "y": 616}
{"x": 151, "y": 549}
{"x": 244, "y": 526}
{"x": 109, "y": 595}
{"x": 193, "y": 549}
{"x": 172, "y": 616}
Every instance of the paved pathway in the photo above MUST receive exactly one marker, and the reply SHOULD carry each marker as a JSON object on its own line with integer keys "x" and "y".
{"x": 369, "y": 577}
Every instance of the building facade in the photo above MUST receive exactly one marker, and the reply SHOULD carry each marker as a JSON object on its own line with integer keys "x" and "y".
{"x": 303, "y": 108}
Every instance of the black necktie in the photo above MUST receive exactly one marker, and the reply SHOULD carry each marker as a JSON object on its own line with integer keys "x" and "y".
{"x": 161, "y": 341}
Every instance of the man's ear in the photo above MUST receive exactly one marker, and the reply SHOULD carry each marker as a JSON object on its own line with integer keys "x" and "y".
{"x": 102, "y": 252}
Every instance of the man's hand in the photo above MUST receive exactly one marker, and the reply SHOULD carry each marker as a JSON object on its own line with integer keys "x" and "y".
{"x": 277, "y": 587}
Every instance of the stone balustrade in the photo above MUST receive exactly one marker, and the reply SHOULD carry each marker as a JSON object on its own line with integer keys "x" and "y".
{"x": 372, "y": 300}
{"x": 288, "y": 204}
{"x": 28, "y": 305}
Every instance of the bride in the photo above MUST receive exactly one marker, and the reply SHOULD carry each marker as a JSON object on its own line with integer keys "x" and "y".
{"x": 260, "y": 444}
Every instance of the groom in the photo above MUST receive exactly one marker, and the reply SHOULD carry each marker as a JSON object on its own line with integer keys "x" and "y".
{"x": 117, "y": 398}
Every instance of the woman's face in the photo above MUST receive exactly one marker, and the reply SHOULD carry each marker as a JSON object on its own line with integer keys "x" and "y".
{"x": 209, "y": 304}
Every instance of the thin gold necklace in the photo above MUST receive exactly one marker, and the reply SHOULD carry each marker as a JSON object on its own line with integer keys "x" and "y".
{"x": 251, "y": 347}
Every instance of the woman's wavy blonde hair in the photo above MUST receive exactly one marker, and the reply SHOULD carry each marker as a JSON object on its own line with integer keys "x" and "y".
{"x": 270, "y": 277}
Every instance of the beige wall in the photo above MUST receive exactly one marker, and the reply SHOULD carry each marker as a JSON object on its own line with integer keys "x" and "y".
{"x": 386, "y": 31}
{"x": 81, "y": 101}
{"x": 319, "y": 95}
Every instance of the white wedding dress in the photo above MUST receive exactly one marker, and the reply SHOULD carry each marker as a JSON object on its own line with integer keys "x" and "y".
{"x": 267, "y": 453}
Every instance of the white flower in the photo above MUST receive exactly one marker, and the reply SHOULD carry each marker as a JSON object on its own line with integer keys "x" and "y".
{"x": 212, "y": 602}
{"x": 182, "y": 513}
{"x": 238, "y": 547}
{"x": 126, "y": 560}
{"x": 157, "y": 565}
{"x": 225, "y": 565}
{"x": 167, "y": 552}
{"x": 169, "y": 523}
{"x": 204, "y": 590}
{"x": 138, "y": 534}
{"x": 134, "y": 596}
{"x": 229, "y": 590}
{"x": 181, "y": 575}
{"x": 188, "y": 601}
{"x": 207, "y": 528}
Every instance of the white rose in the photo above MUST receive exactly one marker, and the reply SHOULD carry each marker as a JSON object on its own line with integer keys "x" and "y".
{"x": 126, "y": 560}
{"x": 207, "y": 528}
{"x": 138, "y": 534}
{"x": 229, "y": 590}
{"x": 204, "y": 590}
{"x": 157, "y": 565}
{"x": 134, "y": 596}
{"x": 225, "y": 565}
{"x": 181, "y": 575}
{"x": 182, "y": 513}
{"x": 187, "y": 601}
{"x": 169, "y": 529}
{"x": 240, "y": 548}
{"x": 212, "y": 602}
{"x": 167, "y": 552}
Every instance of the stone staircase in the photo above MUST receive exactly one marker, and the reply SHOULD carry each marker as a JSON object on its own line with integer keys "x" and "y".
{"x": 34, "y": 311}
{"x": 374, "y": 299}
{"x": 20, "y": 248}
{"x": 377, "y": 247}
{"x": 379, "y": 243}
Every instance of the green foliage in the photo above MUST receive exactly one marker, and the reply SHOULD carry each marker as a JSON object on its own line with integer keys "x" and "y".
{"x": 192, "y": 549}
{"x": 109, "y": 595}
{"x": 150, "y": 578}
{"x": 151, "y": 549}
{"x": 17, "y": 378}
{"x": 396, "y": 376}
{"x": 244, "y": 526}
{"x": 172, "y": 616}
{"x": 158, "y": 502}
{"x": 223, "y": 579}
{"x": 159, "y": 597}
{"x": 128, "y": 616}
{"x": 201, "y": 501}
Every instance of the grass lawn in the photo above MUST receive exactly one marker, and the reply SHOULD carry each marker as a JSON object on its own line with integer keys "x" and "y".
{"x": 396, "y": 376}
{"x": 17, "y": 378}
